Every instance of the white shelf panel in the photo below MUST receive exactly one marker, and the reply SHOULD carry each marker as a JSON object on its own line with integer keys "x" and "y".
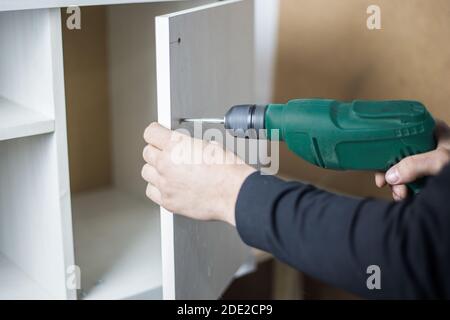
{"x": 117, "y": 245}
{"x": 17, "y": 121}
{"x": 7, "y": 5}
{"x": 15, "y": 284}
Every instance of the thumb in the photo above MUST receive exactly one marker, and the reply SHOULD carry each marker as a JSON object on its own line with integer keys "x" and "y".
{"x": 411, "y": 168}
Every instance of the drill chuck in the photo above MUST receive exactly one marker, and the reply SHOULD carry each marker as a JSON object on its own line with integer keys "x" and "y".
{"x": 246, "y": 121}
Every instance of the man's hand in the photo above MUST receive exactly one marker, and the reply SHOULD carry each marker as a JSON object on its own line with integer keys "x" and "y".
{"x": 417, "y": 166}
{"x": 192, "y": 177}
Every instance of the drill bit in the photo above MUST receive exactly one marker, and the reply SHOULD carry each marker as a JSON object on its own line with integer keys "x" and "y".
{"x": 205, "y": 120}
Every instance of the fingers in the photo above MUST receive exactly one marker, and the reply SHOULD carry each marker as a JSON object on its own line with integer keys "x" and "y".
{"x": 399, "y": 192}
{"x": 380, "y": 181}
{"x": 153, "y": 194}
{"x": 414, "y": 167}
{"x": 157, "y": 135}
{"x": 151, "y": 154}
{"x": 417, "y": 166}
{"x": 150, "y": 175}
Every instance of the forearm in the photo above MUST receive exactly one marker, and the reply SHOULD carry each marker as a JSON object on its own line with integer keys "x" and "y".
{"x": 335, "y": 238}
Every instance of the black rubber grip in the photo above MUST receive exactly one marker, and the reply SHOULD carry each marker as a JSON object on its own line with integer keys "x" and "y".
{"x": 246, "y": 120}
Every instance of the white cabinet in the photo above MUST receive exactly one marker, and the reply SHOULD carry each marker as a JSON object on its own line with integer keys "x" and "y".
{"x": 201, "y": 64}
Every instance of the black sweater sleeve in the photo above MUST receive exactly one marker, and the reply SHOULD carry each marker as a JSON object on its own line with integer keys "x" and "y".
{"x": 335, "y": 238}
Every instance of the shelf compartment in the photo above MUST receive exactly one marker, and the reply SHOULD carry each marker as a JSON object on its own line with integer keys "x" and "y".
{"x": 117, "y": 245}
{"x": 17, "y": 121}
{"x": 16, "y": 284}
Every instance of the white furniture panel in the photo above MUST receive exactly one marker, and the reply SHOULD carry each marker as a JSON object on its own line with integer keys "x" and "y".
{"x": 26, "y": 63}
{"x": 204, "y": 66}
{"x": 6, "y": 5}
{"x": 26, "y": 74}
{"x": 17, "y": 121}
{"x": 35, "y": 223}
{"x": 16, "y": 284}
{"x": 30, "y": 218}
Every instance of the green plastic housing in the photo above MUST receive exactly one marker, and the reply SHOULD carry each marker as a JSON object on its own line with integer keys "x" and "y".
{"x": 358, "y": 135}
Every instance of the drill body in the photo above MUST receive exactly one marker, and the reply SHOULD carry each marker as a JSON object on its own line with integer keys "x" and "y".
{"x": 358, "y": 135}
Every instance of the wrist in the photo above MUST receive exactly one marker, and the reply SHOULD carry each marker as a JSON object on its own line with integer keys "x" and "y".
{"x": 237, "y": 177}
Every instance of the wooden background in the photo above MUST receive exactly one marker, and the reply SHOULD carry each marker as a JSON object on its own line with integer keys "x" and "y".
{"x": 326, "y": 50}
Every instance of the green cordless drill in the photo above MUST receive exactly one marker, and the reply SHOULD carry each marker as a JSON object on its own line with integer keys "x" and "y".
{"x": 358, "y": 135}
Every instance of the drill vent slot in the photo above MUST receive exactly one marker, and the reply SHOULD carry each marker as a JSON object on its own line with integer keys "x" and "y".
{"x": 318, "y": 154}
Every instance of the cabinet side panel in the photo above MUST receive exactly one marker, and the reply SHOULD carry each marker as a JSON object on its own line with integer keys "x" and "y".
{"x": 164, "y": 118}
{"x": 35, "y": 223}
{"x": 211, "y": 69}
{"x": 64, "y": 220}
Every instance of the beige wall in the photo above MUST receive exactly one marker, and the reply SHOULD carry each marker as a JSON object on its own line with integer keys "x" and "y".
{"x": 325, "y": 50}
